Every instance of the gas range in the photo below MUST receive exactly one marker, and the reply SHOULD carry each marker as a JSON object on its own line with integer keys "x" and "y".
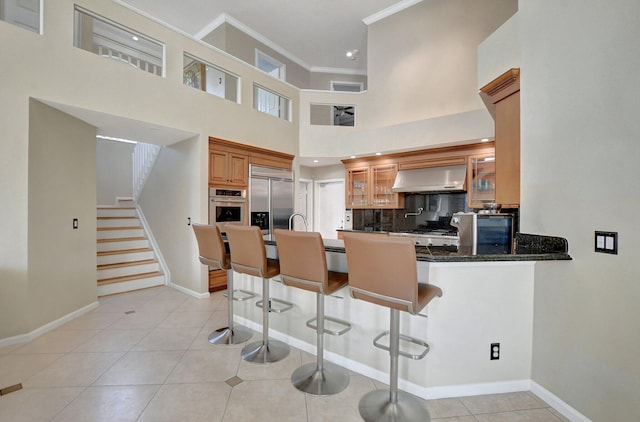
{"x": 430, "y": 237}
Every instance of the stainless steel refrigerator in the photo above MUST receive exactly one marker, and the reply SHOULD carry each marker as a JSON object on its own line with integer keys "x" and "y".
{"x": 270, "y": 198}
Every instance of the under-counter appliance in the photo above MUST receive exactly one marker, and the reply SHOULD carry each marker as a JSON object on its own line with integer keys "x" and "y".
{"x": 482, "y": 234}
{"x": 270, "y": 197}
{"x": 227, "y": 205}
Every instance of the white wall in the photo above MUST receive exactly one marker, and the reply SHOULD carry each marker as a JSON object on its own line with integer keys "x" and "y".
{"x": 49, "y": 68}
{"x": 580, "y": 94}
{"x": 115, "y": 171}
{"x": 168, "y": 199}
{"x": 422, "y": 83}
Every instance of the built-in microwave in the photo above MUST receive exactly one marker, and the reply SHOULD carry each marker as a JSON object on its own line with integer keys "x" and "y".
{"x": 484, "y": 234}
{"x": 227, "y": 205}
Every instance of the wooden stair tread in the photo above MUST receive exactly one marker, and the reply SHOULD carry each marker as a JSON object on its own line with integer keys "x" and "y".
{"x": 129, "y": 278}
{"x": 115, "y": 208}
{"x": 124, "y": 251}
{"x": 121, "y": 239}
{"x": 116, "y": 218}
{"x": 126, "y": 264}
{"x": 100, "y": 229}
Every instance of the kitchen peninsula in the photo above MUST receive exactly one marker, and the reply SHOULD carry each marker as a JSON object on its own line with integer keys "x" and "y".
{"x": 487, "y": 299}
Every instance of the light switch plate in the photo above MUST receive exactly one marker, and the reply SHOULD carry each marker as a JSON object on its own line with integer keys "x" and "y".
{"x": 606, "y": 242}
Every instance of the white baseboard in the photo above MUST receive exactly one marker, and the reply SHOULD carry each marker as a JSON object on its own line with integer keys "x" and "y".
{"x": 427, "y": 393}
{"x": 554, "y": 401}
{"x": 23, "y": 338}
{"x": 189, "y": 291}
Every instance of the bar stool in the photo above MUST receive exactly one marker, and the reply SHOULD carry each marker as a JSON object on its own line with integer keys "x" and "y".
{"x": 303, "y": 264}
{"x": 213, "y": 253}
{"x": 383, "y": 271}
{"x": 248, "y": 256}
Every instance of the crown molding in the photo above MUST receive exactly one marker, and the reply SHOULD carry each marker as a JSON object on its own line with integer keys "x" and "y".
{"x": 391, "y": 10}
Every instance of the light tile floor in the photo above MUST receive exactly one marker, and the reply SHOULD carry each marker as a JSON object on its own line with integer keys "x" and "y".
{"x": 155, "y": 364}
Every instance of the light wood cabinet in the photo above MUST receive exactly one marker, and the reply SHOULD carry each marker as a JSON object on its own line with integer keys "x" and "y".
{"x": 502, "y": 97}
{"x": 370, "y": 187}
{"x": 228, "y": 169}
{"x": 229, "y": 162}
{"x": 217, "y": 280}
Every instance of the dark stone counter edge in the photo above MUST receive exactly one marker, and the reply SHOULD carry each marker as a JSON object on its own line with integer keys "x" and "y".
{"x": 529, "y": 247}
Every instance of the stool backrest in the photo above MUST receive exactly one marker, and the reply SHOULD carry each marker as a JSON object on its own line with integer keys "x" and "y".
{"x": 248, "y": 254}
{"x": 211, "y": 246}
{"x": 382, "y": 270}
{"x": 303, "y": 263}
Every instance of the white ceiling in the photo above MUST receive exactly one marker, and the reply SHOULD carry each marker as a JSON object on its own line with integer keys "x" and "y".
{"x": 314, "y": 34}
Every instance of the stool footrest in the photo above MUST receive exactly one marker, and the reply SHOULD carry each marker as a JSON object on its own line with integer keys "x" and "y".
{"x": 413, "y": 340}
{"x": 284, "y": 305}
{"x": 346, "y": 326}
{"x": 246, "y": 295}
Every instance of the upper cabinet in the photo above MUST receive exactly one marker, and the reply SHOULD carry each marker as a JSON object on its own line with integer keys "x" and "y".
{"x": 370, "y": 187}
{"x": 228, "y": 168}
{"x": 502, "y": 97}
{"x": 229, "y": 162}
{"x": 481, "y": 180}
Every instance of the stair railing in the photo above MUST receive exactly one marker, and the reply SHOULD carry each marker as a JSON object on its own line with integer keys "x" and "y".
{"x": 144, "y": 157}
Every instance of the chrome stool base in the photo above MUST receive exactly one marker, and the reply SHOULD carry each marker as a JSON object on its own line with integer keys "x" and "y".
{"x": 377, "y": 406}
{"x": 331, "y": 379}
{"x": 226, "y": 335}
{"x": 265, "y": 352}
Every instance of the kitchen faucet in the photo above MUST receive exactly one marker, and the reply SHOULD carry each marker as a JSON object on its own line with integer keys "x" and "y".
{"x": 304, "y": 220}
{"x": 418, "y": 212}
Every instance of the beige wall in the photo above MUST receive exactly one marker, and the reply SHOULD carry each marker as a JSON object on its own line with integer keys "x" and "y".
{"x": 114, "y": 170}
{"x": 62, "y": 186}
{"x": 580, "y": 99}
{"x": 48, "y": 67}
{"x": 422, "y": 61}
{"x": 168, "y": 199}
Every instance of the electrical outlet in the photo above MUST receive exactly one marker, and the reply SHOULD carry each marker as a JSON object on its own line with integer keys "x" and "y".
{"x": 495, "y": 351}
{"x": 75, "y": 223}
{"x": 188, "y": 221}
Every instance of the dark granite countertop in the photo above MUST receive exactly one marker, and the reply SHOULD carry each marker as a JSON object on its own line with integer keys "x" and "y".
{"x": 529, "y": 247}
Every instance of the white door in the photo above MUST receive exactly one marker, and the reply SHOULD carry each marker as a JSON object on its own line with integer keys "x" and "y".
{"x": 304, "y": 204}
{"x": 329, "y": 207}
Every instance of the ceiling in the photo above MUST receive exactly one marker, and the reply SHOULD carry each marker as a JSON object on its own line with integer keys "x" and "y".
{"x": 290, "y": 27}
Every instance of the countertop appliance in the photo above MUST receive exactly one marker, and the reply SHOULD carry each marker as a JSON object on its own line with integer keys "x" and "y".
{"x": 227, "y": 205}
{"x": 270, "y": 197}
{"x": 438, "y": 237}
{"x": 482, "y": 234}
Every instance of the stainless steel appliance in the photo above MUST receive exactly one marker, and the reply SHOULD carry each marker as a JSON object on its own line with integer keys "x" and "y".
{"x": 227, "y": 205}
{"x": 440, "y": 237}
{"x": 484, "y": 233}
{"x": 270, "y": 197}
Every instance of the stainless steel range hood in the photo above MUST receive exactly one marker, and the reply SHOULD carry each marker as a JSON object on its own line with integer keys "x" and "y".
{"x": 433, "y": 179}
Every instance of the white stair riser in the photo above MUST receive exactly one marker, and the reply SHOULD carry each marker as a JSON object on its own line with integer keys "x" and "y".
{"x": 125, "y": 244}
{"x": 128, "y": 286}
{"x": 128, "y": 270}
{"x": 124, "y": 257}
{"x": 114, "y": 234}
{"x": 117, "y": 222}
{"x": 116, "y": 212}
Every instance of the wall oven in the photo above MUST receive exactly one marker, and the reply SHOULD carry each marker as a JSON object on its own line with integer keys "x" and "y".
{"x": 227, "y": 205}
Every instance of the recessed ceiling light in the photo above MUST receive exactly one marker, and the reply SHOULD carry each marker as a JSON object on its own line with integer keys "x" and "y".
{"x": 353, "y": 156}
{"x": 315, "y": 161}
{"x": 352, "y": 54}
{"x": 135, "y": 38}
{"x": 378, "y": 153}
{"x": 485, "y": 140}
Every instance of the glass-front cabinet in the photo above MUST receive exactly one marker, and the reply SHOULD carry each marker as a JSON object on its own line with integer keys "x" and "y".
{"x": 370, "y": 187}
{"x": 482, "y": 180}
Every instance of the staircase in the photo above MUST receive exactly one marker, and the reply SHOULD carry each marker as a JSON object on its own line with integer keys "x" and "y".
{"x": 126, "y": 259}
